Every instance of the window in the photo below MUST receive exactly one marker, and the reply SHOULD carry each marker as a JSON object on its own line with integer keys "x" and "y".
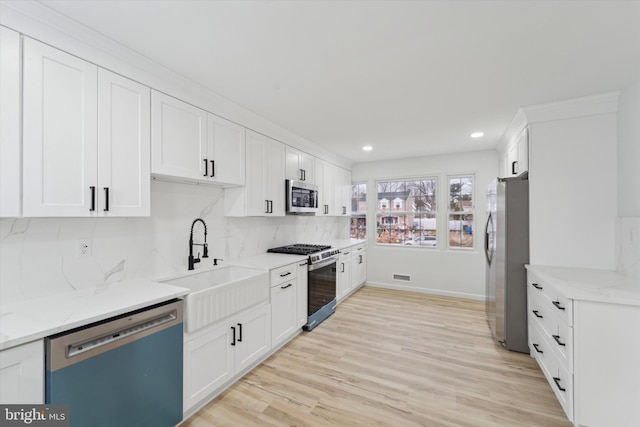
{"x": 359, "y": 210}
{"x": 461, "y": 211}
{"x": 406, "y": 212}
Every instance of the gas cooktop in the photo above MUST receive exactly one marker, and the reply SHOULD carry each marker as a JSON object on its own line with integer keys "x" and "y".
{"x": 299, "y": 249}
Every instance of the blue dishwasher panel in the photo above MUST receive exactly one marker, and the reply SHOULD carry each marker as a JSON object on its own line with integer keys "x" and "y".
{"x": 136, "y": 385}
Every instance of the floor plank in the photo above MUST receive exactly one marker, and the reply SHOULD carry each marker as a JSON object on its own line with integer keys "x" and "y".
{"x": 391, "y": 358}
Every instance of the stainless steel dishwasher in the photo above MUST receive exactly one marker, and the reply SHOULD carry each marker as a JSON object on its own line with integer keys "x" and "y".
{"x": 124, "y": 371}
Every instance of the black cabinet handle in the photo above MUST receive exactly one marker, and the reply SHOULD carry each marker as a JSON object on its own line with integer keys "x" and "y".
{"x": 93, "y": 198}
{"x": 535, "y": 285}
{"x": 537, "y": 349}
{"x": 206, "y": 167}
{"x": 557, "y": 338}
{"x": 213, "y": 168}
{"x": 513, "y": 168}
{"x": 270, "y": 206}
{"x": 285, "y": 274}
{"x": 344, "y": 210}
{"x": 360, "y": 259}
{"x": 106, "y": 199}
{"x": 233, "y": 328}
{"x": 303, "y": 264}
{"x": 266, "y": 209}
{"x": 286, "y": 286}
{"x": 557, "y": 304}
{"x": 342, "y": 267}
{"x": 239, "y": 332}
{"x": 537, "y": 315}
{"x": 557, "y": 381}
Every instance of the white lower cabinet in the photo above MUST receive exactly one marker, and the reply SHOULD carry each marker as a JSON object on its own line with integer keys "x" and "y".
{"x": 216, "y": 355}
{"x": 588, "y": 350}
{"x": 303, "y": 293}
{"x": 358, "y": 265}
{"x": 284, "y": 302}
{"x": 22, "y": 374}
{"x": 343, "y": 275}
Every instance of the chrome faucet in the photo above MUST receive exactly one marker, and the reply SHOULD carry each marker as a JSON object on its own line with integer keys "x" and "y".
{"x": 205, "y": 254}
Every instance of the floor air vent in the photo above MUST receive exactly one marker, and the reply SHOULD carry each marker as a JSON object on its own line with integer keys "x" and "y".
{"x": 402, "y": 277}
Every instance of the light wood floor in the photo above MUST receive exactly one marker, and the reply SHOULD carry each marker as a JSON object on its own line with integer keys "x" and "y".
{"x": 391, "y": 358}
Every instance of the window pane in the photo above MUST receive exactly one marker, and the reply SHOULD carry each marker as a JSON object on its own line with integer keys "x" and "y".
{"x": 358, "y": 227}
{"x": 461, "y": 230}
{"x": 359, "y": 198}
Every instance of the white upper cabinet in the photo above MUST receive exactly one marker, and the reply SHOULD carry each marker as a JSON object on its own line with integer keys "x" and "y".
{"x": 85, "y": 138}
{"x": 178, "y": 139}
{"x": 10, "y": 118}
{"x": 325, "y": 183}
{"x": 60, "y": 136}
{"x": 190, "y": 144}
{"x": 263, "y": 194}
{"x": 342, "y": 192}
{"x": 124, "y": 144}
{"x": 516, "y": 158}
{"x": 226, "y": 151}
{"x": 300, "y": 166}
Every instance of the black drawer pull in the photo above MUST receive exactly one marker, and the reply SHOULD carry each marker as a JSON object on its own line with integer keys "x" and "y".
{"x": 557, "y": 338}
{"x": 213, "y": 168}
{"x": 93, "y": 198}
{"x": 240, "y": 332}
{"x": 285, "y": 274}
{"x": 233, "y": 328}
{"x": 539, "y": 316}
{"x": 287, "y": 286}
{"x": 303, "y": 264}
{"x": 537, "y": 349}
{"x": 106, "y": 199}
{"x": 557, "y": 304}
{"x": 557, "y": 381}
{"x": 535, "y": 285}
{"x": 206, "y": 167}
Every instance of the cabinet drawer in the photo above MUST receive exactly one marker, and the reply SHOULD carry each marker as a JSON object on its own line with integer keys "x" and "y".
{"x": 557, "y": 332}
{"x": 561, "y": 304}
{"x": 357, "y": 249}
{"x": 346, "y": 253}
{"x": 558, "y": 377}
{"x": 283, "y": 274}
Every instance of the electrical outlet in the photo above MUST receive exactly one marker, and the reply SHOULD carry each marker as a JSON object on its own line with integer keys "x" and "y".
{"x": 83, "y": 248}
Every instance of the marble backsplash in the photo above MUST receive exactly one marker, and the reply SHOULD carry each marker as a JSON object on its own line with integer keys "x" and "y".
{"x": 39, "y": 255}
{"x": 629, "y": 247}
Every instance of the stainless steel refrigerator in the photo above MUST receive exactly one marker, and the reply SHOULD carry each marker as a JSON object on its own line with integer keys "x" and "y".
{"x": 507, "y": 251}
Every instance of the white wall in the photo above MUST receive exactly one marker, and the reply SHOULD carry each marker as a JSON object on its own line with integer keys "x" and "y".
{"x": 39, "y": 254}
{"x": 442, "y": 271}
{"x": 628, "y": 237}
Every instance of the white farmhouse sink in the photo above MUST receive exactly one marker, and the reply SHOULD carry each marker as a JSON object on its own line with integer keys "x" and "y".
{"x": 221, "y": 292}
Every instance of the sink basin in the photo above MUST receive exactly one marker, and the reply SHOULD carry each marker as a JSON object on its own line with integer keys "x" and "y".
{"x": 219, "y": 293}
{"x": 218, "y": 277}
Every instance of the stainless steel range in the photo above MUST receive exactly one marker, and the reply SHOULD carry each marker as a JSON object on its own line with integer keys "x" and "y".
{"x": 321, "y": 302}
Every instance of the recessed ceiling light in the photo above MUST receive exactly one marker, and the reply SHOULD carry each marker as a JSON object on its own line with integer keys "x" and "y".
{"x": 477, "y": 135}
{"x": 367, "y": 148}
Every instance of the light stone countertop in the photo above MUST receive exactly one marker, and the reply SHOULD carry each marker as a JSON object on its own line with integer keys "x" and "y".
{"x": 587, "y": 284}
{"x": 26, "y": 321}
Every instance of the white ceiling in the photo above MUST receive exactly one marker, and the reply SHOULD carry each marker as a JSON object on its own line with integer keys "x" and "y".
{"x": 407, "y": 77}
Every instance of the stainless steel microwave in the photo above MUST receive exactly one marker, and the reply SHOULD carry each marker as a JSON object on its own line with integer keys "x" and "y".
{"x": 301, "y": 198}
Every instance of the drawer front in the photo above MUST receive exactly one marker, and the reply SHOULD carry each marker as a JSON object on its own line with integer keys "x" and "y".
{"x": 557, "y": 332}
{"x": 345, "y": 253}
{"x": 357, "y": 249}
{"x": 559, "y": 378}
{"x": 283, "y": 274}
{"x": 561, "y": 304}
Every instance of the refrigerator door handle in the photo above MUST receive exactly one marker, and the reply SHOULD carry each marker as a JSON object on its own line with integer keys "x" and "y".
{"x": 487, "y": 251}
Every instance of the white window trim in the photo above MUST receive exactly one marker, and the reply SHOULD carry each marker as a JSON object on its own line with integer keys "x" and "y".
{"x": 450, "y": 212}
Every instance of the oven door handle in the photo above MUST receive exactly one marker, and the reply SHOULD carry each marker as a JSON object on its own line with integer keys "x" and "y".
{"x": 323, "y": 263}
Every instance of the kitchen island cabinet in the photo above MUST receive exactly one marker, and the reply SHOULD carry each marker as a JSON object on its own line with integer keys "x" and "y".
{"x": 22, "y": 374}
{"x": 85, "y": 138}
{"x": 583, "y": 331}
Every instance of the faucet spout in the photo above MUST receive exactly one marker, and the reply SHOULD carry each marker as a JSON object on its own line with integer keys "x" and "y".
{"x": 192, "y": 260}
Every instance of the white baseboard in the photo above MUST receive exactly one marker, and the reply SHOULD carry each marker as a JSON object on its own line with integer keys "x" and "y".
{"x": 427, "y": 291}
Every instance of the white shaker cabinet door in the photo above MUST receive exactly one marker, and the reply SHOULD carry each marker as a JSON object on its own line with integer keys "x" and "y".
{"x": 275, "y": 176}
{"x": 253, "y": 336}
{"x": 59, "y": 133}
{"x": 178, "y": 139}
{"x": 22, "y": 374}
{"x": 10, "y": 118}
{"x": 124, "y": 144}
{"x": 226, "y": 151}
